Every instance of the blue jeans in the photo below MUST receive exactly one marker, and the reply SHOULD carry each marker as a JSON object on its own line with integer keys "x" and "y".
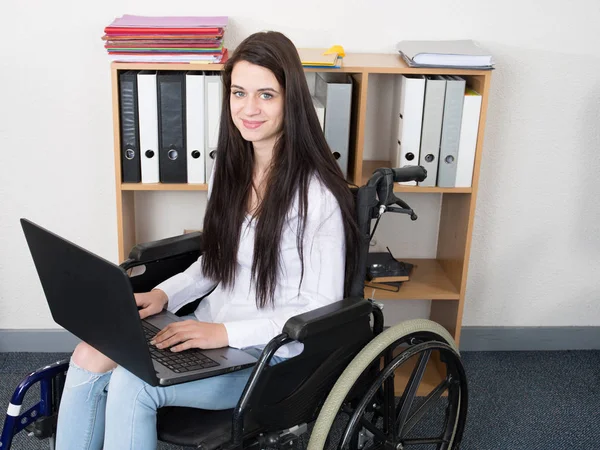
{"x": 116, "y": 410}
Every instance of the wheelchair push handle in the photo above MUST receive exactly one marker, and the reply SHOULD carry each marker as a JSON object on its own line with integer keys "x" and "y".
{"x": 409, "y": 173}
{"x": 383, "y": 180}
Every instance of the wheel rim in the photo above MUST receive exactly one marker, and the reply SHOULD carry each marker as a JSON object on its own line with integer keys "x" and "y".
{"x": 396, "y": 421}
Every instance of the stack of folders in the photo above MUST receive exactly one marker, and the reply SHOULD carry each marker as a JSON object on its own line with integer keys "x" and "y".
{"x": 321, "y": 58}
{"x": 166, "y": 39}
{"x": 464, "y": 53}
{"x": 169, "y": 125}
{"x": 438, "y": 124}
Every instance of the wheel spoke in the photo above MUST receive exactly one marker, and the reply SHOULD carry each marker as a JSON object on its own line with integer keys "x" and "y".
{"x": 389, "y": 403}
{"x": 389, "y": 400}
{"x": 431, "y": 398}
{"x": 410, "y": 392}
{"x": 368, "y": 396}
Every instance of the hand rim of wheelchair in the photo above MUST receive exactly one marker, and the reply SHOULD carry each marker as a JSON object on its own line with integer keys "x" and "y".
{"x": 387, "y": 341}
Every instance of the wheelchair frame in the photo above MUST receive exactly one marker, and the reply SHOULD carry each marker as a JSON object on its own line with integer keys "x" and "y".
{"x": 372, "y": 200}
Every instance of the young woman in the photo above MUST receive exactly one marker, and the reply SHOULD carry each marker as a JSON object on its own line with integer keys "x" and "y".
{"x": 280, "y": 239}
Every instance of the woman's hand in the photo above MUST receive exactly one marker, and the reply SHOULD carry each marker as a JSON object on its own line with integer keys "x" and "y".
{"x": 191, "y": 334}
{"x": 151, "y": 303}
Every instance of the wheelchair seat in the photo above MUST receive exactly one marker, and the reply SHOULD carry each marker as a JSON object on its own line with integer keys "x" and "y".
{"x": 199, "y": 428}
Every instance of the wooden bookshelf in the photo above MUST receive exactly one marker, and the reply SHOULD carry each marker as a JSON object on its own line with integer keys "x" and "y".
{"x": 441, "y": 279}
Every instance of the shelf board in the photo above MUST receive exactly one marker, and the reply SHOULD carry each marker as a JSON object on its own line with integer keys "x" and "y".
{"x": 428, "y": 281}
{"x": 163, "y": 187}
{"x": 381, "y": 63}
{"x": 369, "y": 167}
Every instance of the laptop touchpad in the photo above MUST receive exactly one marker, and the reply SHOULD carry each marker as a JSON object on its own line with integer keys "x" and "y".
{"x": 162, "y": 319}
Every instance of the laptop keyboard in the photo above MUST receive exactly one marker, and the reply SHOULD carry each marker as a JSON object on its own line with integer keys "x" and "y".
{"x": 185, "y": 361}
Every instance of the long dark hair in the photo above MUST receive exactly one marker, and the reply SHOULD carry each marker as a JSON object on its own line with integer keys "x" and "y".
{"x": 300, "y": 152}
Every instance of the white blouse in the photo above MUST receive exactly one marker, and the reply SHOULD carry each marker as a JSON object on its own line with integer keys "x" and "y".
{"x": 322, "y": 284}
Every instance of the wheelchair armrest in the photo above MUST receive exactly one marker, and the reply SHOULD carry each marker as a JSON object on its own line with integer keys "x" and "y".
{"x": 165, "y": 248}
{"x": 327, "y": 317}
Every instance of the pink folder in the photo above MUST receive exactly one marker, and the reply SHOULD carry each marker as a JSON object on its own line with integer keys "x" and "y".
{"x": 131, "y": 21}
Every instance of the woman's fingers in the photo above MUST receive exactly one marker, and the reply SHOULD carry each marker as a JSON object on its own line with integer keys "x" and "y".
{"x": 146, "y": 311}
{"x": 167, "y": 331}
{"x": 146, "y": 304}
{"x": 164, "y": 334}
{"x": 191, "y": 343}
{"x": 173, "y": 340}
{"x": 174, "y": 333}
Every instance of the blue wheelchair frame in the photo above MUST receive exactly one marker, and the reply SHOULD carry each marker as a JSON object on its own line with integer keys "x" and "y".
{"x": 41, "y": 417}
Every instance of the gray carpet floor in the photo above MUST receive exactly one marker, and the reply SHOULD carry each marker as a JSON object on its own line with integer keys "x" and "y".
{"x": 517, "y": 400}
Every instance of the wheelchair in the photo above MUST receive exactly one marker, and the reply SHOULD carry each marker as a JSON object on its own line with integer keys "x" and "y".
{"x": 339, "y": 393}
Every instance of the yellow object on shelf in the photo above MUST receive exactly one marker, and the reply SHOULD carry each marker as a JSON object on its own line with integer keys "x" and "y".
{"x": 318, "y": 57}
{"x": 336, "y": 49}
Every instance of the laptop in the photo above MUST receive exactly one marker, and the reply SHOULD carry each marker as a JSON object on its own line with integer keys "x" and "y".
{"x": 93, "y": 299}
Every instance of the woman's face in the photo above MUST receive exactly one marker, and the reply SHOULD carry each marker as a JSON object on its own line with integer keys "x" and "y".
{"x": 256, "y": 103}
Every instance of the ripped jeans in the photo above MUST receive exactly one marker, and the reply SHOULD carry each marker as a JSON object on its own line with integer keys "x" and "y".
{"x": 116, "y": 410}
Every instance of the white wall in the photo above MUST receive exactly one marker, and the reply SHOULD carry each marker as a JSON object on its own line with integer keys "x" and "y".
{"x": 536, "y": 249}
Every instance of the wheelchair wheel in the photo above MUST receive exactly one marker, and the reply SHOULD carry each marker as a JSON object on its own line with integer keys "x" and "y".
{"x": 363, "y": 401}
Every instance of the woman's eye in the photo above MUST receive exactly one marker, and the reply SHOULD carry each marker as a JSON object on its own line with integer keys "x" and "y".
{"x": 266, "y": 96}
{"x": 238, "y": 94}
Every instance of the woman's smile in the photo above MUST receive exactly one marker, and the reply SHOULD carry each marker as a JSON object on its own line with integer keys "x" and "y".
{"x": 252, "y": 124}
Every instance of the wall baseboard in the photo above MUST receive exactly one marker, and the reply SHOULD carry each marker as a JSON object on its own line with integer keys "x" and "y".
{"x": 529, "y": 338}
{"x": 472, "y": 339}
{"x": 42, "y": 340}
